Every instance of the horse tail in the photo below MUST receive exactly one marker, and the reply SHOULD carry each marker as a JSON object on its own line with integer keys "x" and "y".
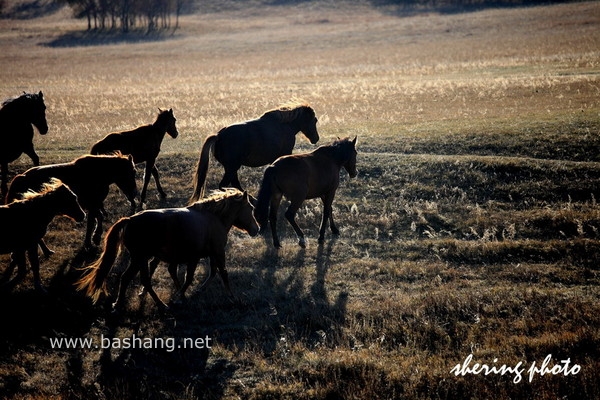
{"x": 202, "y": 168}
{"x": 261, "y": 211}
{"x": 94, "y": 280}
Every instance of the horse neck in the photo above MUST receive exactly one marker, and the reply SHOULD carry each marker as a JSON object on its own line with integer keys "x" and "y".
{"x": 15, "y": 110}
{"x": 331, "y": 154}
{"x": 40, "y": 208}
{"x": 159, "y": 129}
{"x": 227, "y": 217}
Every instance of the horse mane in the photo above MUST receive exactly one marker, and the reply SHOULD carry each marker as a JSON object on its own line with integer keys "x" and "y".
{"x": 92, "y": 158}
{"x": 46, "y": 188}
{"x": 288, "y": 112}
{"x": 336, "y": 148}
{"x": 218, "y": 202}
{"x": 23, "y": 97}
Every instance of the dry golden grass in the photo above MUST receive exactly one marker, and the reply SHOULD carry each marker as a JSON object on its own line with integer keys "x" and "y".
{"x": 472, "y": 227}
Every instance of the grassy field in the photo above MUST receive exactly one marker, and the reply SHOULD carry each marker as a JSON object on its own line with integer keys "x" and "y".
{"x": 470, "y": 234}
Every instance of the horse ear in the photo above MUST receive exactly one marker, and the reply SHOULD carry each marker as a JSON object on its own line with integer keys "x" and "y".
{"x": 354, "y": 140}
{"x": 245, "y": 198}
{"x": 130, "y": 157}
{"x": 41, "y": 94}
{"x": 171, "y": 110}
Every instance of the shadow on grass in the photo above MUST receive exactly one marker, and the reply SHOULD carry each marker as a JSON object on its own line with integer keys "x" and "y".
{"x": 281, "y": 299}
{"x": 109, "y": 37}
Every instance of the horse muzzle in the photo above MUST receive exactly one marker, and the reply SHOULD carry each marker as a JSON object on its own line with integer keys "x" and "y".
{"x": 42, "y": 128}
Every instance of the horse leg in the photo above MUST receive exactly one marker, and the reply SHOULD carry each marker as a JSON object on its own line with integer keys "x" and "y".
{"x": 16, "y": 259}
{"x": 34, "y": 261}
{"x": 126, "y": 277}
{"x": 189, "y": 278}
{"x": 158, "y": 185}
{"x": 32, "y": 154}
{"x": 147, "y": 176}
{"x": 290, "y": 215}
{"x": 217, "y": 262}
{"x": 94, "y": 226}
{"x": 153, "y": 265}
{"x": 4, "y": 189}
{"x": 273, "y": 210}
{"x": 45, "y": 249}
{"x": 147, "y": 282}
{"x": 230, "y": 178}
{"x": 327, "y": 217}
{"x": 212, "y": 271}
{"x": 173, "y": 272}
{"x": 9, "y": 270}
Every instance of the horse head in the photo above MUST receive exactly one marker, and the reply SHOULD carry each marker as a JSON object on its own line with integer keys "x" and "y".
{"x": 71, "y": 206}
{"x": 245, "y": 218}
{"x": 125, "y": 179}
{"x": 64, "y": 199}
{"x": 348, "y": 147}
{"x": 167, "y": 120}
{"x": 308, "y": 124}
{"x": 38, "y": 112}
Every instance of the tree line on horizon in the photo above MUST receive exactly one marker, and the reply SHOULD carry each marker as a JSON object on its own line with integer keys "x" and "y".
{"x": 126, "y": 15}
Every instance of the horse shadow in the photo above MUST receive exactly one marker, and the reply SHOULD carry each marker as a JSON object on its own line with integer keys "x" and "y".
{"x": 279, "y": 296}
{"x": 32, "y": 319}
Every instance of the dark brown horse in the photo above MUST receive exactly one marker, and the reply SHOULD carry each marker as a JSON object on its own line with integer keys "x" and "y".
{"x": 305, "y": 176}
{"x": 143, "y": 143}
{"x": 16, "y": 133}
{"x": 25, "y": 223}
{"x": 175, "y": 236}
{"x": 89, "y": 177}
{"x": 255, "y": 143}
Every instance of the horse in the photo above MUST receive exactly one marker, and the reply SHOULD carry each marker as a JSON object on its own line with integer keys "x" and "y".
{"x": 143, "y": 143}
{"x": 175, "y": 236}
{"x": 16, "y": 133}
{"x": 255, "y": 143}
{"x": 25, "y": 223}
{"x": 304, "y": 176}
{"x": 90, "y": 177}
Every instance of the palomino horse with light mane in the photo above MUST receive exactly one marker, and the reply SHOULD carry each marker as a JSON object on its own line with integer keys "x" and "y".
{"x": 25, "y": 223}
{"x": 143, "y": 143}
{"x": 304, "y": 176}
{"x": 90, "y": 178}
{"x": 255, "y": 143}
{"x": 175, "y": 236}
{"x": 16, "y": 133}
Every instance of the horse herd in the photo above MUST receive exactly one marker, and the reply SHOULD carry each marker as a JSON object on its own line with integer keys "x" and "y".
{"x": 171, "y": 235}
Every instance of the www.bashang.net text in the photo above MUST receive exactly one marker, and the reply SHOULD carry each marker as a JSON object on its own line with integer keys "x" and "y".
{"x": 131, "y": 342}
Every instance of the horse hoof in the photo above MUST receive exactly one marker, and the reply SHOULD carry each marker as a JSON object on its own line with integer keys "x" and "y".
{"x": 302, "y": 242}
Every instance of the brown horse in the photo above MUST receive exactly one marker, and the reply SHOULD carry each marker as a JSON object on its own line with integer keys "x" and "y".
{"x": 25, "y": 223}
{"x": 16, "y": 133}
{"x": 175, "y": 236}
{"x": 255, "y": 143}
{"x": 143, "y": 143}
{"x": 305, "y": 176}
{"x": 90, "y": 178}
